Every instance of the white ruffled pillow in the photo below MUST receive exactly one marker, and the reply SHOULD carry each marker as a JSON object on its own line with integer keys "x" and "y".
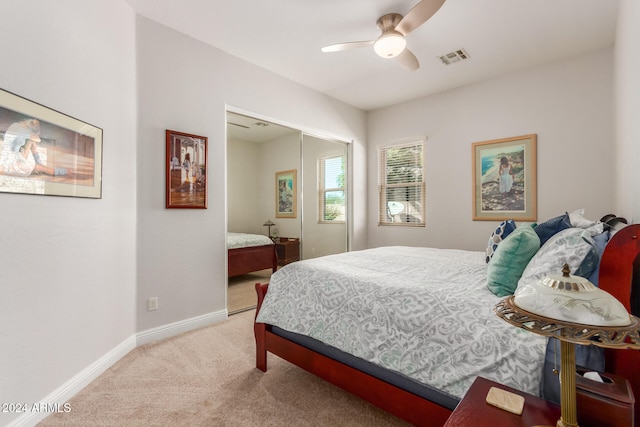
{"x": 578, "y": 220}
{"x": 574, "y": 246}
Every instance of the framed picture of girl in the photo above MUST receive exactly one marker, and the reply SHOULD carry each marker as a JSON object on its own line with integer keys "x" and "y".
{"x": 46, "y": 152}
{"x": 186, "y": 170}
{"x": 504, "y": 179}
{"x": 286, "y": 194}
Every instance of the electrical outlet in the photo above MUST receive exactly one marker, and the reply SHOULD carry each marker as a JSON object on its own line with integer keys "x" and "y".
{"x": 152, "y": 303}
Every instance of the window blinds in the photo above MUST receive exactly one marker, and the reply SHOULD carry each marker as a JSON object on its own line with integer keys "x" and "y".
{"x": 402, "y": 185}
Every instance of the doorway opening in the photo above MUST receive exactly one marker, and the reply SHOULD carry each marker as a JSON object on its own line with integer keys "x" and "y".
{"x": 284, "y": 184}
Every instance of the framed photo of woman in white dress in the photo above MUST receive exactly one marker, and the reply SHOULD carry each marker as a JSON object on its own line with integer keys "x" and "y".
{"x": 504, "y": 179}
{"x": 286, "y": 194}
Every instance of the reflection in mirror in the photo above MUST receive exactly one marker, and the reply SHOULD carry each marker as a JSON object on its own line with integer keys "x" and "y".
{"x": 324, "y": 228}
{"x": 258, "y": 152}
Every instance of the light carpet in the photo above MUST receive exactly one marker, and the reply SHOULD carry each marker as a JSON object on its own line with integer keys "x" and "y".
{"x": 207, "y": 377}
{"x": 241, "y": 290}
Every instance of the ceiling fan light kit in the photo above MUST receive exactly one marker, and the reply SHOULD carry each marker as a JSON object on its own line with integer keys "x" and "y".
{"x": 392, "y": 42}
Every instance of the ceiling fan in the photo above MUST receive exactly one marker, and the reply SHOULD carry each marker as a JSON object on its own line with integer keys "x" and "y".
{"x": 392, "y": 42}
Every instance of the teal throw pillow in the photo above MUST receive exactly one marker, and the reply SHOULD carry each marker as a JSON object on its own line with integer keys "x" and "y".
{"x": 510, "y": 260}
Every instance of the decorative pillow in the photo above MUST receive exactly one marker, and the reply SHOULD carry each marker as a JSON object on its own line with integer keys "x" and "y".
{"x": 595, "y": 229}
{"x": 510, "y": 259}
{"x": 549, "y": 228}
{"x": 600, "y": 241}
{"x": 577, "y": 219}
{"x": 573, "y": 246}
{"x": 499, "y": 234}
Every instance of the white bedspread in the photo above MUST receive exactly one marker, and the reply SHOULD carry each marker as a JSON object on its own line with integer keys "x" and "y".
{"x": 423, "y": 312}
{"x": 243, "y": 240}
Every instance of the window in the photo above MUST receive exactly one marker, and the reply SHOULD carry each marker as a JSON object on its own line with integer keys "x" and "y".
{"x": 331, "y": 189}
{"x": 401, "y": 185}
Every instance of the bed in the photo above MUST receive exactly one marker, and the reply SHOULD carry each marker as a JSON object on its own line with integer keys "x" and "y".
{"x": 407, "y": 375}
{"x": 250, "y": 252}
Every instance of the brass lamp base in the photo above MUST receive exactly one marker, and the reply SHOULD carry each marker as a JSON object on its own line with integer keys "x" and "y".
{"x": 568, "y": 409}
{"x": 516, "y": 316}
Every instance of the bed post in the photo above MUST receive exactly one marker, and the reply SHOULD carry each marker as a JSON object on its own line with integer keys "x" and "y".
{"x": 616, "y": 266}
{"x": 617, "y": 277}
{"x": 260, "y": 329}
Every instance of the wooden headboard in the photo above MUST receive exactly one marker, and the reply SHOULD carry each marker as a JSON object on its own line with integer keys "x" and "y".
{"x": 620, "y": 276}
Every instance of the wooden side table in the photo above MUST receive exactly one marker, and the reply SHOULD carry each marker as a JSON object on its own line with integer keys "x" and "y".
{"x": 473, "y": 410}
{"x": 288, "y": 250}
{"x": 608, "y": 404}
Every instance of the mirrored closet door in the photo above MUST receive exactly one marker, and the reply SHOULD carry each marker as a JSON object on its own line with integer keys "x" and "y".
{"x": 324, "y": 225}
{"x": 294, "y": 181}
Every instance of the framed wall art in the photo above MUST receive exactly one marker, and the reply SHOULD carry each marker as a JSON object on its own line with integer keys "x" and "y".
{"x": 504, "y": 179}
{"x": 286, "y": 194}
{"x": 45, "y": 152}
{"x": 186, "y": 170}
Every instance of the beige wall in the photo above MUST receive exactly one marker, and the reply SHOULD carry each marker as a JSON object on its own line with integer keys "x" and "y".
{"x": 192, "y": 94}
{"x": 68, "y": 265}
{"x": 625, "y": 176}
{"x": 568, "y": 104}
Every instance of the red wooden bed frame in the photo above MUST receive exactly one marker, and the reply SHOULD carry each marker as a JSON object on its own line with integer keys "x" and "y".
{"x": 251, "y": 258}
{"x": 621, "y": 257}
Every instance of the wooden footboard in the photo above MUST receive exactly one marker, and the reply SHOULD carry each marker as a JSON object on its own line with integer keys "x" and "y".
{"x": 252, "y": 258}
{"x": 396, "y": 401}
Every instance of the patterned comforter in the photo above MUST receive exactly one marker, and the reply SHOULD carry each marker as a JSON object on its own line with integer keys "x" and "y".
{"x": 426, "y": 313}
{"x": 243, "y": 240}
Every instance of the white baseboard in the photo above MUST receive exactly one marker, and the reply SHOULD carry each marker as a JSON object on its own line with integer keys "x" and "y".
{"x": 182, "y": 326}
{"x": 65, "y": 392}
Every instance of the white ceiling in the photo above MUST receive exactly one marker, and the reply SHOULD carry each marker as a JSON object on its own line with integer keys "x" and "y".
{"x": 285, "y": 36}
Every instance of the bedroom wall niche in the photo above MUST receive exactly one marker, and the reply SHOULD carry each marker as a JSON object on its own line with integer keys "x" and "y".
{"x": 257, "y": 150}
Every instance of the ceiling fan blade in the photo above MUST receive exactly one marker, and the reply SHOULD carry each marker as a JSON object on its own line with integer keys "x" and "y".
{"x": 408, "y": 60}
{"x": 418, "y": 15}
{"x": 346, "y": 46}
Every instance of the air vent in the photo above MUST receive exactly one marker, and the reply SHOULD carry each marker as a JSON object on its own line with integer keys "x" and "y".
{"x": 455, "y": 56}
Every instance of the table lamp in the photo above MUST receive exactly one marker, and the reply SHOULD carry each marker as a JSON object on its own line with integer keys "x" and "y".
{"x": 269, "y": 224}
{"x": 573, "y": 310}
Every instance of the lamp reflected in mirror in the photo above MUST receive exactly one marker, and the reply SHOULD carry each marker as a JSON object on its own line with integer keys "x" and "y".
{"x": 269, "y": 224}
